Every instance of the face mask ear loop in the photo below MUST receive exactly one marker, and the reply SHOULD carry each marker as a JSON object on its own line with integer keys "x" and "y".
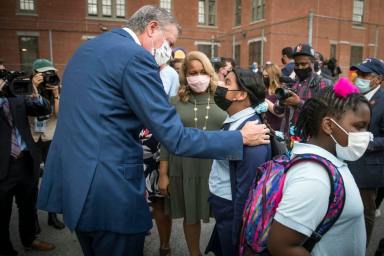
{"x": 340, "y": 127}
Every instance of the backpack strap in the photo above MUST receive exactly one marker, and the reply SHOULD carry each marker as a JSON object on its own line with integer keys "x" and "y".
{"x": 336, "y": 197}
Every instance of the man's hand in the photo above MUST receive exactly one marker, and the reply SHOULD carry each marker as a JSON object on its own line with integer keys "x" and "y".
{"x": 255, "y": 134}
{"x": 163, "y": 184}
{"x": 54, "y": 89}
{"x": 2, "y": 83}
{"x": 292, "y": 101}
{"x": 37, "y": 79}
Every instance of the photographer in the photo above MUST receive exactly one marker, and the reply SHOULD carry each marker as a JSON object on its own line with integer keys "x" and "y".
{"x": 307, "y": 85}
{"x": 43, "y": 127}
{"x": 19, "y": 163}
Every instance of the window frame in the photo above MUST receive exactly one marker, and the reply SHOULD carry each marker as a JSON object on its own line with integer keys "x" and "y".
{"x": 352, "y": 57}
{"x": 237, "y": 16}
{"x": 237, "y": 54}
{"x": 114, "y": 13}
{"x": 208, "y": 44}
{"x": 255, "y": 5}
{"x": 207, "y": 14}
{"x": 33, "y": 2}
{"x": 27, "y": 67}
{"x": 258, "y": 59}
{"x": 169, "y": 2}
{"x": 356, "y": 12}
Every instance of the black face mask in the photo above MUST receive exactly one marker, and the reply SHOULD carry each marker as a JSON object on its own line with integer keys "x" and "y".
{"x": 304, "y": 73}
{"x": 316, "y": 66}
{"x": 220, "y": 99}
{"x": 266, "y": 81}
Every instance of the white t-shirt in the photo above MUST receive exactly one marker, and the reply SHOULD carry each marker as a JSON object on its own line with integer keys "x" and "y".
{"x": 305, "y": 202}
{"x": 170, "y": 80}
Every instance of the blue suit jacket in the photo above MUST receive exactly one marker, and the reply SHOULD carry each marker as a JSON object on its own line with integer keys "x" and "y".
{"x": 94, "y": 171}
{"x": 242, "y": 175}
{"x": 368, "y": 171}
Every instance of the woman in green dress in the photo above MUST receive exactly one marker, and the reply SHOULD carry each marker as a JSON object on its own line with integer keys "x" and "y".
{"x": 185, "y": 179}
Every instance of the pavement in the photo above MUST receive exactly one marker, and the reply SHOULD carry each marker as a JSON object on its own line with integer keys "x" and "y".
{"x": 67, "y": 244}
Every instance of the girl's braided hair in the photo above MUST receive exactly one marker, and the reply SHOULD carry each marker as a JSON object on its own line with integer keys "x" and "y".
{"x": 327, "y": 103}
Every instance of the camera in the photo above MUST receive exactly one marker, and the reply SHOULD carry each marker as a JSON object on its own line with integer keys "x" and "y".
{"x": 286, "y": 90}
{"x": 16, "y": 84}
{"x": 283, "y": 93}
{"x": 50, "y": 77}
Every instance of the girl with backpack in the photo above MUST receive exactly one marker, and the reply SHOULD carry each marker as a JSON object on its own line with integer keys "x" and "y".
{"x": 314, "y": 208}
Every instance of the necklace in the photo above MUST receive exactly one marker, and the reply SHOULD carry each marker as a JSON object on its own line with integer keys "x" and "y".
{"x": 195, "y": 109}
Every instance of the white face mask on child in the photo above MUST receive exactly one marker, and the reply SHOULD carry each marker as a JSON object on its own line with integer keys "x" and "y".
{"x": 357, "y": 144}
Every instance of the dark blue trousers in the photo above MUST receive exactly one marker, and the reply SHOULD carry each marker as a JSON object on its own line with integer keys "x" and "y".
{"x": 102, "y": 243}
{"x": 221, "y": 242}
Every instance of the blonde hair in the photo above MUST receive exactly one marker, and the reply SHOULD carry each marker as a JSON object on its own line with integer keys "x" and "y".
{"x": 184, "y": 90}
{"x": 274, "y": 74}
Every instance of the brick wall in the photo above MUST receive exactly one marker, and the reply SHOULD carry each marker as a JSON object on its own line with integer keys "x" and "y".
{"x": 285, "y": 24}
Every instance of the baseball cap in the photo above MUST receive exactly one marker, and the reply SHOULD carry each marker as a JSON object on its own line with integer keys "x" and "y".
{"x": 303, "y": 49}
{"x": 178, "y": 53}
{"x": 42, "y": 65}
{"x": 370, "y": 65}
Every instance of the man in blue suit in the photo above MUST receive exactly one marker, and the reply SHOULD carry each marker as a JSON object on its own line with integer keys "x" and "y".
{"x": 368, "y": 171}
{"x": 94, "y": 170}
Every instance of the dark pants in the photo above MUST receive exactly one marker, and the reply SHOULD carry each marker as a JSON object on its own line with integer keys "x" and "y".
{"x": 379, "y": 197}
{"x": 221, "y": 242}
{"x": 369, "y": 196}
{"x": 101, "y": 243}
{"x": 20, "y": 184}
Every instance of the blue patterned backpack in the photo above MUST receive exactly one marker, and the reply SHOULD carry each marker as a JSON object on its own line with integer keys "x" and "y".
{"x": 265, "y": 195}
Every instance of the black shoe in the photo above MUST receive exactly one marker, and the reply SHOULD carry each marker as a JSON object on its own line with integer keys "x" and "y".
{"x": 54, "y": 221}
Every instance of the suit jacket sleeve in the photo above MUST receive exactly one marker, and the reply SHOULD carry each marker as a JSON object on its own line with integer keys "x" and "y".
{"x": 37, "y": 107}
{"x": 143, "y": 91}
{"x": 378, "y": 142}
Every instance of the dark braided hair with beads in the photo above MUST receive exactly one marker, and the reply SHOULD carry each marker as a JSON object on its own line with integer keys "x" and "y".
{"x": 327, "y": 103}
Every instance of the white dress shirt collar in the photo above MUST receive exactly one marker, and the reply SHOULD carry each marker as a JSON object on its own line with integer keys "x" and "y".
{"x": 133, "y": 35}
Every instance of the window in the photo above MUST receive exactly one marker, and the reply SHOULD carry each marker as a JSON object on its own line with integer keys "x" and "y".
{"x": 207, "y": 12}
{"x": 237, "y": 54}
{"x": 207, "y": 49}
{"x": 166, "y": 4}
{"x": 258, "y": 9}
{"x": 332, "y": 52}
{"x": 120, "y": 8}
{"x": 92, "y": 7}
{"x": 27, "y": 5}
{"x": 358, "y": 11}
{"x": 238, "y": 13}
{"x": 255, "y": 52}
{"x": 356, "y": 55}
{"x": 106, "y": 8}
{"x": 28, "y": 48}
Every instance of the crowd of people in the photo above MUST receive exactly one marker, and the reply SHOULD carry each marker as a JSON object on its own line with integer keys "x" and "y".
{"x": 148, "y": 130}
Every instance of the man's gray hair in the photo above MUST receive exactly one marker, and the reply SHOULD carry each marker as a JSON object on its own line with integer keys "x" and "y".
{"x": 141, "y": 18}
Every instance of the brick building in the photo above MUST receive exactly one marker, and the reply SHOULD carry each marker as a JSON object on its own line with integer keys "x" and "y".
{"x": 248, "y": 30}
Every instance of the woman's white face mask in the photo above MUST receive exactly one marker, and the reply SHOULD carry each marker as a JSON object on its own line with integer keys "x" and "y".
{"x": 357, "y": 144}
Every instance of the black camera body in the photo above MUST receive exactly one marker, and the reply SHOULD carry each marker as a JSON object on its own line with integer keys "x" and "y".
{"x": 17, "y": 84}
{"x": 284, "y": 93}
{"x": 50, "y": 77}
{"x": 286, "y": 90}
